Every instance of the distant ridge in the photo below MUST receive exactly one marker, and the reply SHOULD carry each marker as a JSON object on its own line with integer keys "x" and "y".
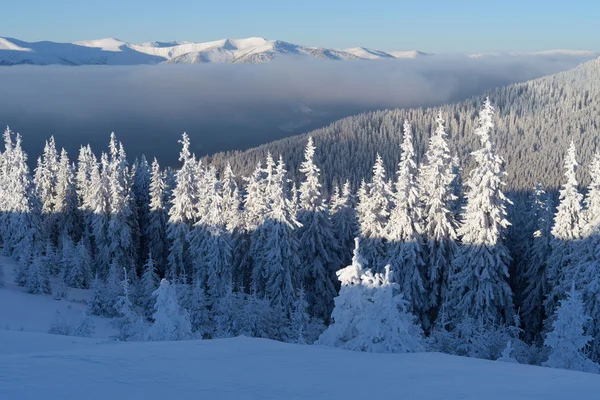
{"x": 111, "y": 51}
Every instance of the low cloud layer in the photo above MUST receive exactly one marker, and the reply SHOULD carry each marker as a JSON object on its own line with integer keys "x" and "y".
{"x": 229, "y": 106}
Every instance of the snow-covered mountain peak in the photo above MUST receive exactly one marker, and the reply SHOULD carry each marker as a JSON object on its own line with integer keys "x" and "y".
{"x": 107, "y": 44}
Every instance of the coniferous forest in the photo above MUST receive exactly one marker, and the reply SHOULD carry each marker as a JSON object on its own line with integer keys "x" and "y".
{"x": 427, "y": 256}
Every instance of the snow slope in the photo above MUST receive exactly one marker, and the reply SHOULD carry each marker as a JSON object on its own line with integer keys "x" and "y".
{"x": 112, "y": 51}
{"x": 35, "y": 365}
{"x": 21, "y": 311}
{"x": 245, "y": 368}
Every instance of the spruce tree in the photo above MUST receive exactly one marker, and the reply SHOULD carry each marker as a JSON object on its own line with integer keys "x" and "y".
{"x": 480, "y": 285}
{"x": 403, "y": 231}
{"x": 536, "y": 290}
{"x": 439, "y": 221}
{"x": 567, "y": 340}
{"x": 317, "y": 244}
{"x": 170, "y": 321}
{"x": 566, "y": 233}
{"x": 157, "y": 219}
{"x": 182, "y": 212}
{"x": 373, "y": 213}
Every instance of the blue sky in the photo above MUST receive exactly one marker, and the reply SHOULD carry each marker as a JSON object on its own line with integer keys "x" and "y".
{"x": 428, "y": 25}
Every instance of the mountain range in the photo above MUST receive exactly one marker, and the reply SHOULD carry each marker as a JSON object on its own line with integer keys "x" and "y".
{"x": 112, "y": 51}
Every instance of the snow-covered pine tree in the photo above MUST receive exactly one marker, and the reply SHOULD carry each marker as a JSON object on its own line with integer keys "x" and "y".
{"x": 317, "y": 244}
{"x": 257, "y": 205}
{"x": 349, "y": 304}
{"x": 141, "y": 190}
{"x": 87, "y": 165}
{"x": 369, "y": 314}
{"x": 566, "y": 235}
{"x": 279, "y": 258}
{"x": 130, "y": 325}
{"x": 38, "y": 278}
{"x": 182, "y": 212}
{"x": 22, "y": 226}
{"x": 235, "y": 226}
{"x": 100, "y": 213}
{"x": 196, "y": 306}
{"x": 59, "y": 289}
{"x": 80, "y": 273}
{"x": 343, "y": 219}
{"x": 156, "y": 235}
{"x": 567, "y": 339}
{"x": 403, "y": 232}
{"x": 480, "y": 286}
{"x": 439, "y": 221}
{"x": 44, "y": 179}
{"x": 113, "y": 290}
{"x": 96, "y": 305}
{"x": 373, "y": 213}
{"x": 300, "y": 318}
{"x": 387, "y": 325}
{"x": 65, "y": 200}
{"x": 149, "y": 283}
{"x": 119, "y": 231}
{"x": 210, "y": 243}
{"x": 170, "y": 321}
{"x": 532, "y": 309}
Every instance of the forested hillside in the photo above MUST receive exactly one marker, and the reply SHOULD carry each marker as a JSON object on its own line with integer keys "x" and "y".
{"x": 535, "y": 122}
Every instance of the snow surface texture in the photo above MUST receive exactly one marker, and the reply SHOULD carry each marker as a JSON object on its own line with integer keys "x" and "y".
{"x": 22, "y": 311}
{"x": 36, "y": 365}
{"x": 245, "y": 368}
{"x": 112, "y": 51}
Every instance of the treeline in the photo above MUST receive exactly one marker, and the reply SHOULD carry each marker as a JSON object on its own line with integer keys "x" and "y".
{"x": 432, "y": 268}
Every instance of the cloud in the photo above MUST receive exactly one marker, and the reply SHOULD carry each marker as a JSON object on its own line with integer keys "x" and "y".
{"x": 232, "y": 106}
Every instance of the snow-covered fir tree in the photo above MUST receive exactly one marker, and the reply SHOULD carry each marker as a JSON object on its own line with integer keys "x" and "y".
{"x": 148, "y": 284}
{"x": 567, "y": 339}
{"x": 480, "y": 286}
{"x": 403, "y": 232}
{"x": 170, "y": 321}
{"x": 536, "y": 290}
{"x": 209, "y": 242}
{"x": 317, "y": 243}
{"x": 369, "y": 315}
{"x": 343, "y": 218}
{"x": 38, "y": 278}
{"x": 80, "y": 273}
{"x": 65, "y": 200}
{"x": 130, "y": 325}
{"x": 566, "y": 233}
{"x": 279, "y": 251}
{"x": 373, "y": 212}
{"x": 182, "y": 212}
{"x": 155, "y": 234}
{"x": 439, "y": 220}
{"x": 100, "y": 209}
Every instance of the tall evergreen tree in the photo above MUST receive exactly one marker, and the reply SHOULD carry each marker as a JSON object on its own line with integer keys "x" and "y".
{"x": 567, "y": 340}
{"x": 439, "y": 221}
{"x": 182, "y": 212}
{"x": 566, "y": 233}
{"x": 532, "y": 309}
{"x": 403, "y": 232}
{"x": 373, "y": 213}
{"x": 65, "y": 201}
{"x": 343, "y": 218}
{"x": 480, "y": 285}
{"x": 317, "y": 243}
{"x": 279, "y": 256}
{"x": 157, "y": 219}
